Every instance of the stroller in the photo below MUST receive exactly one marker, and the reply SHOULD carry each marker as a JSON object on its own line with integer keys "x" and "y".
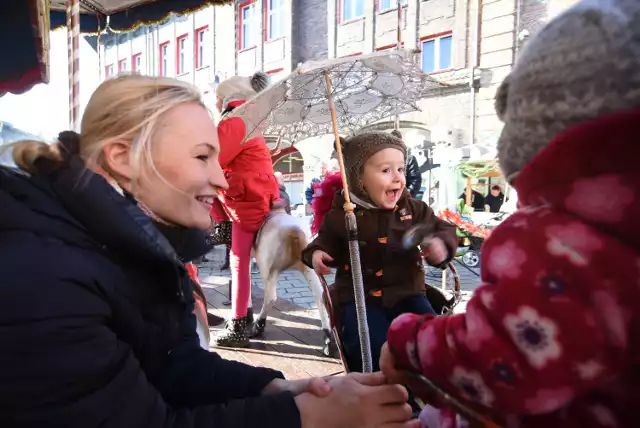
{"x": 471, "y": 236}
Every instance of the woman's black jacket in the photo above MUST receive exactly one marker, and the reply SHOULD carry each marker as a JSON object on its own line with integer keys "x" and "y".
{"x": 96, "y": 323}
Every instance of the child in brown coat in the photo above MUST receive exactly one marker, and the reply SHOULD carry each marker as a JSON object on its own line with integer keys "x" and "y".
{"x": 393, "y": 276}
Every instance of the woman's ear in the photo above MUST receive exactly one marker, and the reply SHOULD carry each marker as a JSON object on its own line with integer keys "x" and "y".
{"x": 117, "y": 159}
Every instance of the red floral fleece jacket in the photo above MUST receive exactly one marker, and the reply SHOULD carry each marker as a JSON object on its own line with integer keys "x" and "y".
{"x": 552, "y": 336}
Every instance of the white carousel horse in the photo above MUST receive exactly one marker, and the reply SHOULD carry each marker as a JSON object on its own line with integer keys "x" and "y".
{"x": 278, "y": 247}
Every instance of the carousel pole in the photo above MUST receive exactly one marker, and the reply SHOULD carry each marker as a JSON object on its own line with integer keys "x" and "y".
{"x": 354, "y": 249}
{"x": 396, "y": 124}
{"x": 73, "y": 51}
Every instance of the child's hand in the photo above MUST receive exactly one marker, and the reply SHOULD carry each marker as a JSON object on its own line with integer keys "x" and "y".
{"x": 436, "y": 253}
{"x": 388, "y": 366}
{"x": 318, "y": 261}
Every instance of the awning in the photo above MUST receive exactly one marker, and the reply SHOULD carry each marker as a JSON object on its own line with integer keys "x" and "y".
{"x": 125, "y": 15}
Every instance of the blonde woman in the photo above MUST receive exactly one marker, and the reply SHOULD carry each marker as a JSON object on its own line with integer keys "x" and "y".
{"x": 101, "y": 332}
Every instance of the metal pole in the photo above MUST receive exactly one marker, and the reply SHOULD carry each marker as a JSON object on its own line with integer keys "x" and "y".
{"x": 354, "y": 248}
{"x": 70, "y": 60}
{"x": 396, "y": 124}
{"x": 73, "y": 59}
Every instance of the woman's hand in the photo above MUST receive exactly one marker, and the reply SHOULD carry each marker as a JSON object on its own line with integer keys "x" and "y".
{"x": 316, "y": 386}
{"x": 318, "y": 260}
{"x": 358, "y": 400}
{"x": 436, "y": 252}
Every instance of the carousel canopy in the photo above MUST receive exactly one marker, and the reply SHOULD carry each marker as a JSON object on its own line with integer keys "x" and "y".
{"x": 125, "y": 15}
{"x": 25, "y": 24}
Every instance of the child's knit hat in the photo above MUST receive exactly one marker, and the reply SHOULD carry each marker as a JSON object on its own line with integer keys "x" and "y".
{"x": 241, "y": 88}
{"x": 357, "y": 149}
{"x": 583, "y": 64}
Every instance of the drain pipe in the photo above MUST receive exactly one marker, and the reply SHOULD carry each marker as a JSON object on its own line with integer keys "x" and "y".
{"x": 517, "y": 32}
{"x": 474, "y": 65}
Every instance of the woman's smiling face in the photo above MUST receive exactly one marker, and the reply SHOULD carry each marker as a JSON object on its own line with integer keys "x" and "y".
{"x": 383, "y": 177}
{"x": 184, "y": 180}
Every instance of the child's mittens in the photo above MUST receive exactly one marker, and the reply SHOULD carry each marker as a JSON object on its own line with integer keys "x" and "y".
{"x": 436, "y": 252}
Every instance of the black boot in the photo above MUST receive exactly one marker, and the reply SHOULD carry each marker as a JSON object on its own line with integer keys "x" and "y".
{"x": 235, "y": 334}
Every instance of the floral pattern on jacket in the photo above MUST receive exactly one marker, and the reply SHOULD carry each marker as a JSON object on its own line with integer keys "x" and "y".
{"x": 547, "y": 338}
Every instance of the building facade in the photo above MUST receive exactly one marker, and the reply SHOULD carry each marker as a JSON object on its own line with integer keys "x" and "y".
{"x": 197, "y": 48}
{"x": 468, "y": 45}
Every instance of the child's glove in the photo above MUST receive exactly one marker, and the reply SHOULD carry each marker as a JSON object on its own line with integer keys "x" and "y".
{"x": 318, "y": 260}
{"x": 436, "y": 252}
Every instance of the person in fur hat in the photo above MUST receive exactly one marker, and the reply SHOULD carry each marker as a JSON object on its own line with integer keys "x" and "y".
{"x": 551, "y": 337}
{"x": 393, "y": 276}
{"x": 253, "y": 189}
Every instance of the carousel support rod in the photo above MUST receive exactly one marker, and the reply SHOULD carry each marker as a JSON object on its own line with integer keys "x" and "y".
{"x": 354, "y": 246}
{"x": 73, "y": 51}
{"x": 349, "y": 207}
{"x": 396, "y": 124}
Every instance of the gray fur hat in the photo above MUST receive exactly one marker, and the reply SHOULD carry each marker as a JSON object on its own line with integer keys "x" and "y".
{"x": 241, "y": 88}
{"x": 583, "y": 64}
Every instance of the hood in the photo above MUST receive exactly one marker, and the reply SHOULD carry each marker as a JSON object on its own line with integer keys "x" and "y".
{"x": 590, "y": 172}
{"x": 80, "y": 208}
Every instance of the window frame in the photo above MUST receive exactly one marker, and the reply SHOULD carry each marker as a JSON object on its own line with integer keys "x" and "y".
{"x": 181, "y": 46}
{"x": 403, "y": 3}
{"x": 120, "y": 67}
{"x": 341, "y": 16}
{"x": 200, "y": 45}
{"x": 242, "y": 46}
{"x": 108, "y": 70}
{"x": 282, "y": 11}
{"x": 134, "y": 62}
{"x": 436, "y": 38}
{"x": 163, "y": 69}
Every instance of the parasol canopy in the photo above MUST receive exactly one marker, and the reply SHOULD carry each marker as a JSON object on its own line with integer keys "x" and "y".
{"x": 365, "y": 90}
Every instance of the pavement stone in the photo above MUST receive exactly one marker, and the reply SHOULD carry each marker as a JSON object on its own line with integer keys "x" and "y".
{"x": 294, "y": 288}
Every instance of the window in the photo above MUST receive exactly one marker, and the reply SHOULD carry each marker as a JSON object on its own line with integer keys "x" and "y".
{"x": 276, "y": 19}
{"x": 164, "y": 58}
{"x": 390, "y": 4}
{"x": 108, "y": 71}
{"x": 249, "y": 26}
{"x": 351, "y": 9}
{"x": 181, "y": 54}
{"x": 136, "y": 63}
{"x": 437, "y": 53}
{"x": 123, "y": 65}
{"x": 201, "y": 47}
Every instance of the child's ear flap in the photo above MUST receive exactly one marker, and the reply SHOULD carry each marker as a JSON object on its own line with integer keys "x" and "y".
{"x": 343, "y": 142}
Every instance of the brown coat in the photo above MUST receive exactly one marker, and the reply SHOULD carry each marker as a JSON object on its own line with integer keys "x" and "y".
{"x": 386, "y": 265}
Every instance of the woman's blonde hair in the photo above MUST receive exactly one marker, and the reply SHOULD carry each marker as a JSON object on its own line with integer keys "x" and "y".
{"x": 127, "y": 109}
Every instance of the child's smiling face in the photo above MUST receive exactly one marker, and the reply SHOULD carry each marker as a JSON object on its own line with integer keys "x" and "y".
{"x": 383, "y": 177}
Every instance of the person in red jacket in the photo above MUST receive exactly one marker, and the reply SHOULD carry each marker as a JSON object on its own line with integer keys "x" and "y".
{"x": 253, "y": 188}
{"x": 550, "y": 339}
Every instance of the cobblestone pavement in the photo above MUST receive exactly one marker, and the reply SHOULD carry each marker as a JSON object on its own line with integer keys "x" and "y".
{"x": 293, "y": 287}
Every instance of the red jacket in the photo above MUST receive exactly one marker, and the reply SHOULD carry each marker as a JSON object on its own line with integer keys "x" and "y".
{"x": 249, "y": 171}
{"x": 551, "y": 338}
